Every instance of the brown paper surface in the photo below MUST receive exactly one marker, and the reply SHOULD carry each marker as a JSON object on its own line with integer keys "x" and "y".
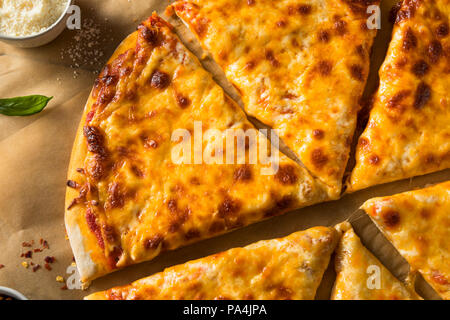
{"x": 35, "y": 151}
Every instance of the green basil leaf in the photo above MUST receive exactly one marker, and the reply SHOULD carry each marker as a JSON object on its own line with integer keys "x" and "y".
{"x": 23, "y": 106}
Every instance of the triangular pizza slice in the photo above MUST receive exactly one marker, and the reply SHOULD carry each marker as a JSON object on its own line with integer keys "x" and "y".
{"x": 286, "y": 268}
{"x": 361, "y": 276}
{"x": 408, "y": 133}
{"x": 299, "y": 66}
{"x": 135, "y": 188}
{"x": 418, "y": 225}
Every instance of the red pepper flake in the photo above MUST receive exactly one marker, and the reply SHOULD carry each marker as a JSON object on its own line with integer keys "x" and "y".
{"x": 2, "y": 266}
{"x": 28, "y": 254}
{"x": 36, "y": 268}
{"x": 45, "y": 244}
{"x": 47, "y": 266}
{"x": 64, "y": 287}
{"x": 49, "y": 259}
{"x": 27, "y": 244}
{"x": 38, "y": 250}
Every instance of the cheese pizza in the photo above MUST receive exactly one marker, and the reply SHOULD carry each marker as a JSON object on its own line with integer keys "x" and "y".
{"x": 299, "y": 66}
{"x": 355, "y": 266}
{"x": 418, "y": 225}
{"x": 129, "y": 198}
{"x": 408, "y": 133}
{"x": 286, "y": 268}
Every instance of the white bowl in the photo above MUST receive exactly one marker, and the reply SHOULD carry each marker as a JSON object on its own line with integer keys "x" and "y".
{"x": 12, "y": 293}
{"x": 41, "y": 38}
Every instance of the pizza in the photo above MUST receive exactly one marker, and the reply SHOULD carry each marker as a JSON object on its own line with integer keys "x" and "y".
{"x": 286, "y": 268}
{"x": 128, "y": 199}
{"x": 408, "y": 130}
{"x": 299, "y": 66}
{"x": 418, "y": 225}
{"x": 361, "y": 276}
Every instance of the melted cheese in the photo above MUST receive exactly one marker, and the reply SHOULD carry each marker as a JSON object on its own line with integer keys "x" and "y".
{"x": 300, "y": 67}
{"x": 408, "y": 133}
{"x": 354, "y": 266}
{"x": 418, "y": 224}
{"x": 286, "y": 268}
{"x": 136, "y": 202}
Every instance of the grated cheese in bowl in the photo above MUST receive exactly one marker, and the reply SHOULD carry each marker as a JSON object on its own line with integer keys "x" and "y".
{"x": 19, "y": 18}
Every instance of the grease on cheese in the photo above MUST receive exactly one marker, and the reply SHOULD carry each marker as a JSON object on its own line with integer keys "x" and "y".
{"x": 28, "y": 17}
{"x": 418, "y": 225}
{"x": 286, "y": 268}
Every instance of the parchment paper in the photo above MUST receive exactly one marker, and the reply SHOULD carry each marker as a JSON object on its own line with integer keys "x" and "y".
{"x": 34, "y": 155}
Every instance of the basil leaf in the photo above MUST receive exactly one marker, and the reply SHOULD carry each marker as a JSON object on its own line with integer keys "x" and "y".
{"x": 23, "y": 106}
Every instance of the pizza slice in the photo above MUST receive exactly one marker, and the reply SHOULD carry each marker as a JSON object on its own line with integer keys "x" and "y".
{"x": 285, "y": 268}
{"x": 136, "y": 187}
{"x": 418, "y": 225}
{"x": 299, "y": 66}
{"x": 355, "y": 267}
{"x": 408, "y": 130}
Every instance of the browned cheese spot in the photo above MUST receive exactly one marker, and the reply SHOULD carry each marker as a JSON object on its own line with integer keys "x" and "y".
{"x": 341, "y": 27}
{"x": 324, "y": 36}
{"x": 420, "y": 68}
{"x": 228, "y": 207}
{"x": 286, "y": 175}
{"x": 243, "y": 174}
{"x": 318, "y": 134}
{"x": 435, "y": 51}
{"x": 192, "y": 234}
{"x": 409, "y": 40}
{"x": 325, "y": 67}
{"x": 183, "y": 101}
{"x": 423, "y": 95}
{"x": 153, "y": 242}
{"x": 319, "y": 158}
{"x": 304, "y": 9}
{"x": 150, "y": 35}
{"x": 396, "y": 100}
{"x": 115, "y": 196}
{"x": 160, "y": 80}
{"x": 391, "y": 218}
{"x": 357, "y": 72}
{"x": 271, "y": 58}
{"x": 442, "y": 30}
{"x": 374, "y": 159}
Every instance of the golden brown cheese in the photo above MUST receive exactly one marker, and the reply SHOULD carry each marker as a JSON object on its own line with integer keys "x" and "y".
{"x": 286, "y": 268}
{"x": 408, "y": 132}
{"x": 300, "y": 67}
{"x": 418, "y": 225}
{"x": 355, "y": 265}
{"x": 127, "y": 199}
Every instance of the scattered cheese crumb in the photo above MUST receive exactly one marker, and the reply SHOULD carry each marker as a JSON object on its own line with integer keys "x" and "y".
{"x": 73, "y": 264}
{"x": 59, "y": 279}
{"x": 28, "y": 17}
{"x": 25, "y": 264}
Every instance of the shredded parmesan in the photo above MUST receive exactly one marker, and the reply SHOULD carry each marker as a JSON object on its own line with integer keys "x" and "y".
{"x": 28, "y": 17}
